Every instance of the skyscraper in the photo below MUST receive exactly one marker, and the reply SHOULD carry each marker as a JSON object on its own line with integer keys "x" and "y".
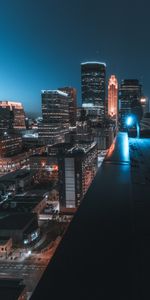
{"x": 55, "y": 112}
{"x": 129, "y": 93}
{"x": 72, "y": 102}
{"x": 12, "y": 115}
{"x": 113, "y": 97}
{"x": 93, "y": 83}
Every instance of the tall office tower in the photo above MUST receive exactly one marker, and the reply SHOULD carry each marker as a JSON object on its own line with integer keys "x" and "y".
{"x": 129, "y": 93}
{"x": 12, "y": 116}
{"x": 113, "y": 98}
{"x": 55, "y": 112}
{"x": 93, "y": 84}
{"x": 72, "y": 101}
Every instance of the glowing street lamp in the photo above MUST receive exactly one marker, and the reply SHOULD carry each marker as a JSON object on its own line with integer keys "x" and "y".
{"x": 131, "y": 120}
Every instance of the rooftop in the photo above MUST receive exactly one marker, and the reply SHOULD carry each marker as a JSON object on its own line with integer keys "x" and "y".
{"x": 93, "y": 62}
{"x": 16, "y": 221}
{"x": 4, "y": 240}
{"x": 54, "y": 92}
{"x": 75, "y": 148}
{"x": 22, "y": 204}
{"x": 81, "y": 148}
{"x": 11, "y": 104}
{"x": 18, "y": 174}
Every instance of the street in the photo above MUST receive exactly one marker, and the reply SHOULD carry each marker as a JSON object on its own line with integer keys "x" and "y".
{"x": 30, "y": 269}
{"x": 31, "y": 273}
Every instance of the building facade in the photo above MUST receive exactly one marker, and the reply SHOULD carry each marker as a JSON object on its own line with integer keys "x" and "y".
{"x": 55, "y": 112}
{"x": 15, "y": 162}
{"x": 129, "y": 92}
{"x": 46, "y": 167}
{"x": 93, "y": 86}
{"x": 72, "y": 102}
{"x": 5, "y": 246}
{"x": 12, "y": 116}
{"x": 145, "y": 104}
{"x": 18, "y": 181}
{"x": 113, "y": 97}
{"x": 77, "y": 168}
{"x": 10, "y": 145}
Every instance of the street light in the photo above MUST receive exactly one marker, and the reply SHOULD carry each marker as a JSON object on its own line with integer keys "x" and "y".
{"x": 131, "y": 120}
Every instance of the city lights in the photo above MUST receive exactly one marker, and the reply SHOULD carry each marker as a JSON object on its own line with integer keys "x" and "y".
{"x": 133, "y": 121}
{"x": 130, "y": 121}
{"x": 143, "y": 100}
{"x": 74, "y": 150}
{"x": 113, "y": 97}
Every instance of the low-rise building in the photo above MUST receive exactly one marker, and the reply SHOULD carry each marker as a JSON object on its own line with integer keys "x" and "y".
{"x": 5, "y": 246}
{"x": 10, "y": 145}
{"x": 12, "y": 116}
{"x": 18, "y": 180}
{"x": 104, "y": 137}
{"x": 45, "y": 165}
{"x": 22, "y": 227}
{"x": 27, "y": 204}
{"x": 12, "y": 163}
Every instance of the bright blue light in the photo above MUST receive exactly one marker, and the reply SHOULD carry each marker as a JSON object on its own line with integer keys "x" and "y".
{"x": 129, "y": 121}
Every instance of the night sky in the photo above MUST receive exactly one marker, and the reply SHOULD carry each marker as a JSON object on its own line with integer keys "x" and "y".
{"x": 44, "y": 42}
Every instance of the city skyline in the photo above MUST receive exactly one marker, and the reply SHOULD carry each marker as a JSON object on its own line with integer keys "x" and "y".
{"x": 40, "y": 51}
{"x": 74, "y": 149}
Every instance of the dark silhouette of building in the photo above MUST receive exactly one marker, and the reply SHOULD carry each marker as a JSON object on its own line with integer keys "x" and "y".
{"x": 21, "y": 227}
{"x": 72, "y": 101}
{"x": 12, "y": 289}
{"x": 93, "y": 86}
{"x": 130, "y": 91}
